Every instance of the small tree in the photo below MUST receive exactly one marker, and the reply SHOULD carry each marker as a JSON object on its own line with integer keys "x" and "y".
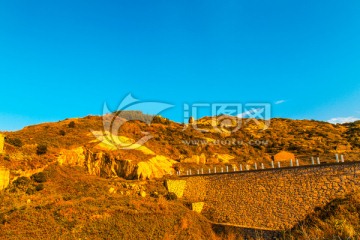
{"x": 14, "y": 141}
{"x": 41, "y": 149}
{"x": 39, "y": 187}
{"x": 39, "y": 177}
{"x": 71, "y": 124}
{"x": 62, "y": 132}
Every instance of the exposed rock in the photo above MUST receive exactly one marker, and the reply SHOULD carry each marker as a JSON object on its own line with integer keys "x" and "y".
{"x": 224, "y": 158}
{"x": 142, "y": 193}
{"x": 112, "y": 190}
{"x": 108, "y": 164}
{"x": 284, "y": 156}
{"x": 156, "y": 167}
{"x": 197, "y": 207}
{"x": 195, "y": 159}
{"x": 74, "y": 157}
{"x": 4, "y": 178}
{"x": 191, "y": 120}
{"x": 2, "y": 143}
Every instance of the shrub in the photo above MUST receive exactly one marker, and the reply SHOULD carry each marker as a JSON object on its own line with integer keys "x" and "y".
{"x": 39, "y": 177}
{"x": 41, "y": 149}
{"x": 3, "y": 218}
{"x": 14, "y": 141}
{"x": 39, "y": 187}
{"x": 62, "y": 132}
{"x": 71, "y": 124}
{"x": 171, "y": 196}
{"x": 30, "y": 191}
{"x": 22, "y": 181}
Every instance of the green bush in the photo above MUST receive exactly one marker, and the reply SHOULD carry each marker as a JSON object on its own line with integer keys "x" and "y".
{"x": 3, "y": 218}
{"x": 14, "y": 141}
{"x": 41, "y": 149}
{"x": 71, "y": 124}
{"x": 39, "y": 187}
{"x": 171, "y": 196}
{"x": 30, "y": 191}
{"x": 22, "y": 181}
{"x": 39, "y": 177}
{"x": 62, "y": 132}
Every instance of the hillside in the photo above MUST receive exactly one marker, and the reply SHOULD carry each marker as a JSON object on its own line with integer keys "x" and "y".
{"x": 183, "y": 144}
{"x": 69, "y": 179}
{"x": 340, "y": 218}
{"x": 74, "y": 205}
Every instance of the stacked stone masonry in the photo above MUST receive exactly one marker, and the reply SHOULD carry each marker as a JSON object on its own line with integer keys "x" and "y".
{"x": 273, "y": 199}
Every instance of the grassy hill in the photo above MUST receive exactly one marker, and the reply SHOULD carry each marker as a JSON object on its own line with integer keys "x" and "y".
{"x": 249, "y": 144}
{"x": 72, "y": 204}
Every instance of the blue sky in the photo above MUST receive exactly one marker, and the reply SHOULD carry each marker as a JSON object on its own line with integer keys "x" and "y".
{"x": 61, "y": 59}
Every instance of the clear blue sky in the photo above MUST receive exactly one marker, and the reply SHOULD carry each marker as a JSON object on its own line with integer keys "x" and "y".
{"x": 62, "y": 59}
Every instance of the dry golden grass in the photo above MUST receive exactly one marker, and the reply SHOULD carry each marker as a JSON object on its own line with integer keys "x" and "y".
{"x": 74, "y": 205}
{"x": 340, "y": 219}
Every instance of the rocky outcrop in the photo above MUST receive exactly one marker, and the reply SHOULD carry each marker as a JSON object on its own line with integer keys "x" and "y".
{"x": 110, "y": 164}
{"x": 1, "y": 143}
{"x": 74, "y": 157}
{"x": 4, "y": 178}
{"x": 195, "y": 159}
{"x": 284, "y": 156}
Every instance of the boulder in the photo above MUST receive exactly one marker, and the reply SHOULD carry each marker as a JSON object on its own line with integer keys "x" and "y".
{"x": 142, "y": 194}
{"x": 284, "y": 156}
{"x": 197, "y": 206}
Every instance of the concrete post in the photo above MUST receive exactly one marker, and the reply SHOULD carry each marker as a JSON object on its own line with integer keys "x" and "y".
{"x": 190, "y": 172}
{"x": 297, "y": 162}
{"x": 342, "y": 158}
{"x": 272, "y": 164}
{"x": 202, "y": 171}
{"x": 209, "y": 170}
{"x": 222, "y": 169}
{"x": 312, "y": 161}
{"x": 198, "y": 172}
{"x": 240, "y": 167}
{"x": 337, "y": 157}
{"x": 291, "y": 163}
{"x": 227, "y": 168}
{"x": 187, "y": 172}
{"x": 262, "y": 166}
{"x": 318, "y": 160}
{"x": 279, "y": 165}
{"x": 255, "y": 166}
{"x": 215, "y": 170}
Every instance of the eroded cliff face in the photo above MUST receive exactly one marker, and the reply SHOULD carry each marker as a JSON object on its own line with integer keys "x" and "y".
{"x": 4, "y": 178}
{"x": 110, "y": 164}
